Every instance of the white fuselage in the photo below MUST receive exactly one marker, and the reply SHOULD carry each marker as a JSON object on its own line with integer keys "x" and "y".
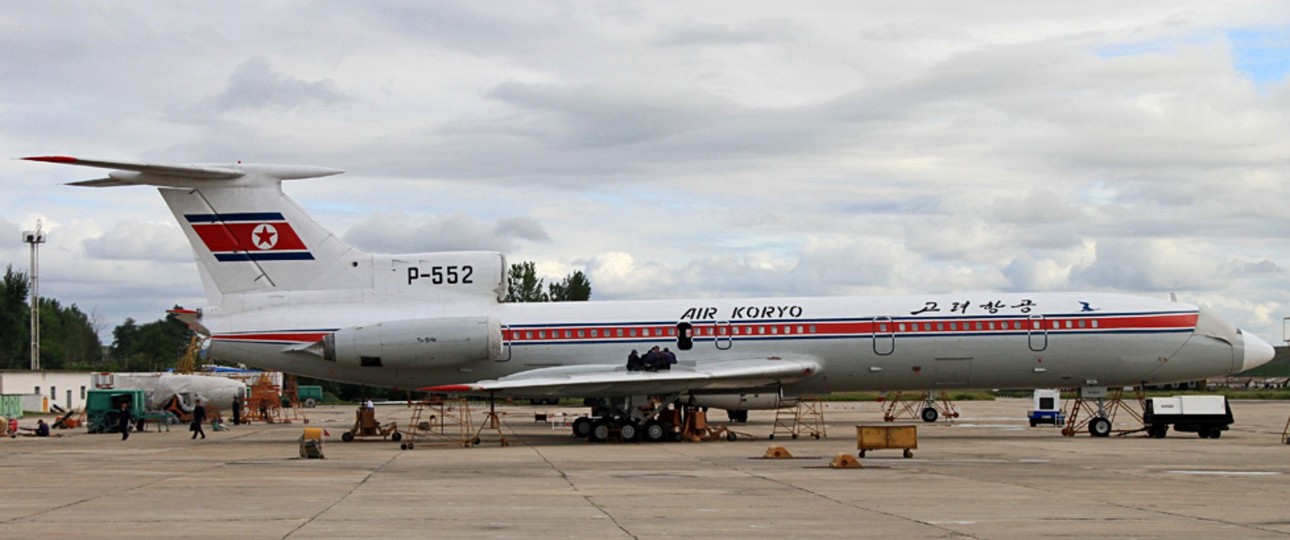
{"x": 978, "y": 340}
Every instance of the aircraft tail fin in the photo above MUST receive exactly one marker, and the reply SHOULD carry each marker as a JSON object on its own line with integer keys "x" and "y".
{"x": 247, "y": 235}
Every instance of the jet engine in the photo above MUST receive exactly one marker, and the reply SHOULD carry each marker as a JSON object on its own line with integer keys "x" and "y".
{"x": 420, "y": 343}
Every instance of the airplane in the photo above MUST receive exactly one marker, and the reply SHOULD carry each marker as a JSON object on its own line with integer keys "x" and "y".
{"x": 286, "y": 294}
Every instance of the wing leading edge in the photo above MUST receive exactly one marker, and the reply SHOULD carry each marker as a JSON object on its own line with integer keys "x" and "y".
{"x": 612, "y": 380}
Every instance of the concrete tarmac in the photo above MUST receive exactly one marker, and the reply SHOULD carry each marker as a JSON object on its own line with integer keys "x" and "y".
{"x": 985, "y": 475}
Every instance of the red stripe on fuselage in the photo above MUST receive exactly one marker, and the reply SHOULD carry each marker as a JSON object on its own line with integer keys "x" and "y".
{"x": 977, "y": 326}
{"x": 295, "y": 337}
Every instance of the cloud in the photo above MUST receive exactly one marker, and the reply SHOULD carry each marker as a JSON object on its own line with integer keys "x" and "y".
{"x": 686, "y": 151}
{"x": 255, "y": 85}
{"x": 140, "y": 241}
{"x": 400, "y": 233}
{"x": 1148, "y": 265}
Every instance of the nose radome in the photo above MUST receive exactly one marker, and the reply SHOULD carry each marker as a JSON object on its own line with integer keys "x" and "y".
{"x": 1257, "y": 352}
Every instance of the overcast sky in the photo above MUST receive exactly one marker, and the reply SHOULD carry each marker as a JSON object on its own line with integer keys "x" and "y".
{"x": 680, "y": 149}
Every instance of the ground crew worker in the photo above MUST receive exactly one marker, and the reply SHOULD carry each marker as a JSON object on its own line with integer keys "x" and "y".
{"x": 199, "y": 416}
{"x": 123, "y": 422}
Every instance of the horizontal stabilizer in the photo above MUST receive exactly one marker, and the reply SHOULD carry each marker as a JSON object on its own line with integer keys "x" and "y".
{"x": 180, "y": 171}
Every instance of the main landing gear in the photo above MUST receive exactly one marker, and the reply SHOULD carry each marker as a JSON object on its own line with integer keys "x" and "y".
{"x": 618, "y": 419}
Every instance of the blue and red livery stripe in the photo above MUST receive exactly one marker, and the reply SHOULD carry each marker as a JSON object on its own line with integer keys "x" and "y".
{"x": 249, "y": 236}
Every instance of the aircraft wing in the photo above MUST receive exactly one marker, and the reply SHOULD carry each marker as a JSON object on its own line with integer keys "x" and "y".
{"x": 613, "y": 380}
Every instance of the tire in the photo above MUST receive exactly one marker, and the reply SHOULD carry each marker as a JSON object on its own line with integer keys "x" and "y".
{"x": 1215, "y": 432}
{"x": 908, "y": 453}
{"x": 536, "y": 401}
{"x": 1158, "y": 431}
{"x": 310, "y": 403}
{"x": 654, "y": 431}
{"x": 630, "y": 431}
{"x": 1202, "y": 433}
{"x": 1034, "y": 423}
{"x": 599, "y": 431}
{"x": 1099, "y": 427}
{"x": 737, "y": 416}
{"x": 396, "y": 437}
{"x": 930, "y": 415}
{"x": 551, "y": 401}
{"x": 862, "y": 452}
{"x": 730, "y": 436}
{"x": 582, "y": 427}
{"x": 347, "y": 436}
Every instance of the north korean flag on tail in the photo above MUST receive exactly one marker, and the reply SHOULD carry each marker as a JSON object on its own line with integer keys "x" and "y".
{"x": 249, "y": 236}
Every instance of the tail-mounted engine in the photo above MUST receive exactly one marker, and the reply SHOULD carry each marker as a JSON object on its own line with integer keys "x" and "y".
{"x": 421, "y": 343}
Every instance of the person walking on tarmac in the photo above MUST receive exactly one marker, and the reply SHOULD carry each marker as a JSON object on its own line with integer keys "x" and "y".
{"x": 199, "y": 416}
{"x": 123, "y": 421}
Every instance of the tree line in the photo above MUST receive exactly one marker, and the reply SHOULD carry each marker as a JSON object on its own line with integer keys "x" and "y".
{"x": 69, "y": 337}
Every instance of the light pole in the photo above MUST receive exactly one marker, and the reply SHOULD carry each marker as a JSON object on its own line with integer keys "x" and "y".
{"x": 35, "y": 238}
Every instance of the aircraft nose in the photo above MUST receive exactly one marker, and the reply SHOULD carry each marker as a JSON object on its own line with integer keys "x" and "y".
{"x": 1257, "y": 352}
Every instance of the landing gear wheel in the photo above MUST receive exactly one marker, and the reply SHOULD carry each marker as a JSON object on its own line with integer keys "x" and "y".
{"x": 347, "y": 436}
{"x": 396, "y": 437}
{"x": 930, "y": 415}
{"x": 582, "y": 427}
{"x": 654, "y": 431}
{"x": 599, "y": 431}
{"x": 630, "y": 431}
{"x": 1099, "y": 427}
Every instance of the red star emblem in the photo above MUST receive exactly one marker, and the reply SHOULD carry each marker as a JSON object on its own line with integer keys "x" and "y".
{"x": 265, "y": 236}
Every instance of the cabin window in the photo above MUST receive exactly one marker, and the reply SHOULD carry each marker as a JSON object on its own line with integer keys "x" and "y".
{"x": 541, "y": 334}
{"x": 978, "y": 325}
{"x": 595, "y": 332}
{"x": 1068, "y": 324}
{"x": 940, "y": 327}
{"x": 1082, "y": 323}
{"x": 954, "y": 326}
{"x": 567, "y": 334}
{"x": 1094, "y": 322}
{"x": 761, "y": 330}
{"x": 528, "y": 335}
{"x": 901, "y": 327}
{"x": 582, "y": 333}
{"x": 882, "y": 327}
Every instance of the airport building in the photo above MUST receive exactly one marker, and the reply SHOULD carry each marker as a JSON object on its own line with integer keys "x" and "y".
{"x": 41, "y": 391}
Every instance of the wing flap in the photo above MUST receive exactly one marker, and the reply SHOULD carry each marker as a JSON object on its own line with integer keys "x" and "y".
{"x": 612, "y": 380}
